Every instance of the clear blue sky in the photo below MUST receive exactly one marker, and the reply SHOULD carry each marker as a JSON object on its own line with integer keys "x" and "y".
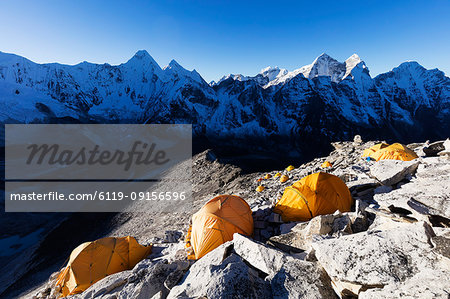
{"x": 221, "y": 37}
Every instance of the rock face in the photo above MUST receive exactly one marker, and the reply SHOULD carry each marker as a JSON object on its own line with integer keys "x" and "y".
{"x": 217, "y": 275}
{"x": 378, "y": 258}
{"x": 445, "y": 153}
{"x": 243, "y": 268}
{"x": 302, "y": 234}
{"x": 146, "y": 280}
{"x": 390, "y": 172}
{"x": 429, "y": 189}
{"x": 265, "y": 259}
{"x": 300, "y": 279}
{"x": 420, "y": 286}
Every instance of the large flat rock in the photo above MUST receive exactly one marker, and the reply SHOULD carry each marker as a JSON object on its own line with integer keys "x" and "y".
{"x": 429, "y": 285}
{"x": 430, "y": 186}
{"x": 301, "y": 279}
{"x": 378, "y": 258}
{"x": 260, "y": 256}
{"x": 300, "y": 236}
{"x": 390, "y": 172}
{"x": 219, "y": 275}
{"x": 144, "y": 281}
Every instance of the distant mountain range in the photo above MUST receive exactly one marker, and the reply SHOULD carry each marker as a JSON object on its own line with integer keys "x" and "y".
{"x": 297, "y": 110}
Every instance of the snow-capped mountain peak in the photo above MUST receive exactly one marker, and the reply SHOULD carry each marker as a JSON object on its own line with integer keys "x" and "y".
{"x": 175, "y": 69}
{"x": 354, "y": 59}
{"x": 237, "y": 77}
{"x": 264, "y": 77}
{"x": 174, "y": 64}
{"x": 323, "y": 58}
{"x": 324, "y": 65}
{"x": 410, "y": 67}
{"x": 269, "y": 69}
{"x": 143, "y": 60}
{"x": 139, "y": 90}
{"x": 415, "y": 86}
{"x": 352, "y": 62}
{"x": 142, "y": 54}
{"x": 272, "y": 73}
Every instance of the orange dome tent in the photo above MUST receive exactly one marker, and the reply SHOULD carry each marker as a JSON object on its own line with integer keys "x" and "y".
{"x": 369, "y": 151}
{"x": 394, "y": 151}
{"x": 92, "y": 261}
{"x": 316, "y": 194}
{"x": 216, "y": 222}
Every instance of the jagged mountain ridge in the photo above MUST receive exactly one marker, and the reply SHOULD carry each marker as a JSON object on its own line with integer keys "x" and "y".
{"x": 323, "y": 101}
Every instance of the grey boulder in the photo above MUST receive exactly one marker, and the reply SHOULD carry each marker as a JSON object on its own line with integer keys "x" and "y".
{"x": 378, "y": 258}
{"x": 390, "y": 172}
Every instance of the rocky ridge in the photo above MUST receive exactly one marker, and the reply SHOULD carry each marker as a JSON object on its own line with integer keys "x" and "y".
{"x": 394, "y": 243}
{"x": 326, "y": 100}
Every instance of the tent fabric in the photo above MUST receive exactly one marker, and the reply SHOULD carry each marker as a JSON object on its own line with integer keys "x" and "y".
{"x": 217, "y": 221}
{"x": 92, "y": 261}
{"x": 326, "y": 164}
{"x": 395, "y": 151}
{"x": 383, "y": 151}
{"x": 369, "y": 151}
{"x": 316, "y": 194}
{"x": 260, "y": 188}
{"x": 284, "y": 178}
{"x": 290, "y": 167}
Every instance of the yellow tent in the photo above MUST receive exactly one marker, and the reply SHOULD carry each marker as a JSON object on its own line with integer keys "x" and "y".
{"x": 316, "y": 194}
{"x": 217, "y": 221}
{"x": 394, "y": 151}
{"x": 326, "y": 164}
{"x": 92, "y": 261}
{"x": 290, "y": 167}
{"x": 369, "y": 151}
